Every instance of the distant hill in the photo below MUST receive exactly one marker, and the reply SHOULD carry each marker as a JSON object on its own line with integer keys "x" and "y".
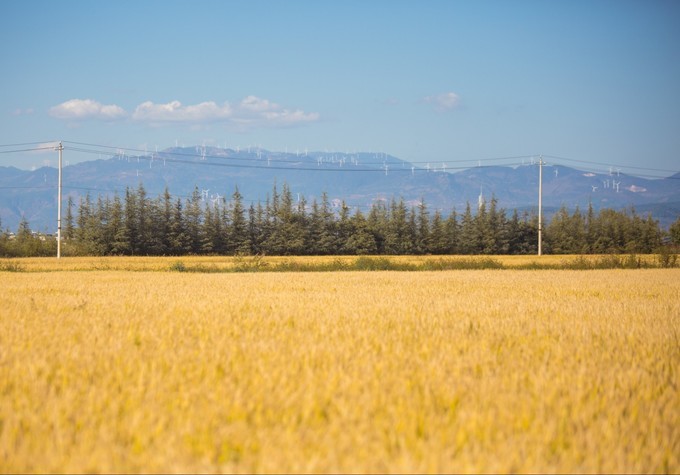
{"x": 357, "y": 178}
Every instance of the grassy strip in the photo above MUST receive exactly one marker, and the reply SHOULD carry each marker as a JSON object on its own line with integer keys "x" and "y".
{"x": 257, "y": 264}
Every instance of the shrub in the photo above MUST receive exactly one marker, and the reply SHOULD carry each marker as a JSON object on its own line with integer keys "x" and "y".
{"x": 11, "y": 266}
{"x": 178, "y": 266}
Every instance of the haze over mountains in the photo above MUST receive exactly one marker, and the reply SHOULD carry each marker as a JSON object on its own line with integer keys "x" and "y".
{"x": 360, "y": 179}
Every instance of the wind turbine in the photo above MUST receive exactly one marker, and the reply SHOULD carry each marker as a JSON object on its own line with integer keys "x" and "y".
{"x": 594, "y": 188}
{"x": 215, "y": 199}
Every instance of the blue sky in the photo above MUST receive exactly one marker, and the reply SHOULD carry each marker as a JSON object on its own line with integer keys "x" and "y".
{"x": 436, "y": 81}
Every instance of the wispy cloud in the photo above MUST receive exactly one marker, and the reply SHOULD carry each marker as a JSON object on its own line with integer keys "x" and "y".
{"x": 251, "y": 111}
{"x": 443, "y": 102}
{"x": 18, "y": 112}
{"x": 255, "y": 111}
{"x": 84, "y": 109}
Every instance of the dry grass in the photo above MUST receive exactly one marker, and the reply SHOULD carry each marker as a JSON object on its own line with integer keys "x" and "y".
{"x": 463, "y": 371}
{"x": 226, "y": 263}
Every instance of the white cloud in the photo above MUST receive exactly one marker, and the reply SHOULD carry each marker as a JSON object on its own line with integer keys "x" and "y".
{"x": 255, "y": 104}
{"x": 250, "y": 112}
{"x": 175, "y": 112}
{"x": 287, "y": 117}
{"x": 257, "y": 111}
{"x": 444, "y": 102}
{"x": 81, "y": 109}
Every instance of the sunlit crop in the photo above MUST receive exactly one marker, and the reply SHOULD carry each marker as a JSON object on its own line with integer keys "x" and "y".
{"x": 447, "y": 371}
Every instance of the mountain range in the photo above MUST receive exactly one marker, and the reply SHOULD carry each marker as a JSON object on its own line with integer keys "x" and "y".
{"x": 358, "y": 179}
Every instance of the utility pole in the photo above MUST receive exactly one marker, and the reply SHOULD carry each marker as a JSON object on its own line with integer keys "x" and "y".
{"x": 540, "y": 205}
{"x": 61, "y": 149}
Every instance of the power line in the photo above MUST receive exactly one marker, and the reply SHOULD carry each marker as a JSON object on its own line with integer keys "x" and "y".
{"x": 325, "y": 166}
{"x": 261, "y": 167}
{"x": 308, "y": 154}
{"x": 45, "y": 142}
{"x": 612, "y": 165}
{"x": 29, "y": 150}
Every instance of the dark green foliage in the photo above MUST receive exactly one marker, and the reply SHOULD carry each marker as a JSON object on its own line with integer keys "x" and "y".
{"x": 666, "y": 257}
{"x": 141, "y": 225}
{"x": 674, "y": 232}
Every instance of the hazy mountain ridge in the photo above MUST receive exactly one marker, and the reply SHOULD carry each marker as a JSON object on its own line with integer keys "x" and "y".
{"x": 357, "y": 178}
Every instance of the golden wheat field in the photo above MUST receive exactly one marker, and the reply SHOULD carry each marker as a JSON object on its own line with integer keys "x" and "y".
{"x": 546, "y": 371}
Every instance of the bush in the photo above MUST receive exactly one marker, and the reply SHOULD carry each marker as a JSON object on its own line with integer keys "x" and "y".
{"x": 11, "y": 266}
{"x": 666, "y": 258}
{"x": 178, "y": 266}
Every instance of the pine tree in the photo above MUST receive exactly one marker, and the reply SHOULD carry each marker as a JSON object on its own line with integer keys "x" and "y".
{"x": 163, "y": 222}
{"x": 361, "y": 241}
{"x": 468, "y": 243}
{"x": 193, "y": 221}
{"x": 674, "y": 231}
{"x": 120, "y": 242}
{"x": 566, "y": 234}
{"x": 452, "y": 233}
{"x": 143, "y": 244}
{"x": 69, "y": 231}
{"x": 287, "y": 237}
{"x": 239, "y": 238}
{"x": 179, "y": 240}
{"x": 398, "y": 236}
{"x": 131, "y": 232}
{"x": 344, "y": 228}
{"x": 422, "y": 241}
{"x": 377, "y": 225}
{"x": 210, "y": 231}
{"x": 438, "y": 239}
{"x": 84, "y": 210}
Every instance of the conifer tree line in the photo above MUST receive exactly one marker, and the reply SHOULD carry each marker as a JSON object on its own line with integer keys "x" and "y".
{"x": 136, "y": 224}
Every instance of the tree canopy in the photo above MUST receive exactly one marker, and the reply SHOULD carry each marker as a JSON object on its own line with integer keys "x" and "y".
{"x": 136, "y": 224}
